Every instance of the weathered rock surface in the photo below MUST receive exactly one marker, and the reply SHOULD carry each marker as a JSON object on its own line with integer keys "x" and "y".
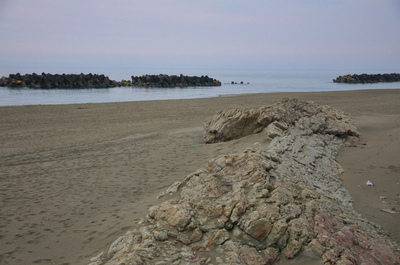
{"x": 253, "y": 207}
{"x": 236, "y": 123}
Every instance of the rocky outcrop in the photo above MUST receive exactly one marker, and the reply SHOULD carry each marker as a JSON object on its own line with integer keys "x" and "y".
{"x": 54, "y": 81}
{"x": 236, "y": 123}
{"x": 255, "y": 207}
{"x": 173, "y": 81}
{"x": 367, "y": 78}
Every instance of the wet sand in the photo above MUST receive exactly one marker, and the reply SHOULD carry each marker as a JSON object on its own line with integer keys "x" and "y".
{"x": 74, "y": 177}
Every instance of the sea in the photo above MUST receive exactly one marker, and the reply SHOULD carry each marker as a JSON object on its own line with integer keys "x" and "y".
{"x": 254, "y": 81}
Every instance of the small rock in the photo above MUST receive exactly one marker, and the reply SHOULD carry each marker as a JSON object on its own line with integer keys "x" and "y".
{"x": 387, "y": 211}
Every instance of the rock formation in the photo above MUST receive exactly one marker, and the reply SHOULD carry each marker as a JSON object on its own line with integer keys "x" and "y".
{"x": 236, "y": 123}
{"x": 367, "y": 78}
{"x": 265, "y": 203}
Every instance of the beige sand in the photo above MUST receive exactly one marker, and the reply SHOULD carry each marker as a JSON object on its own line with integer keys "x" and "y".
{"x": 73, "y": 177}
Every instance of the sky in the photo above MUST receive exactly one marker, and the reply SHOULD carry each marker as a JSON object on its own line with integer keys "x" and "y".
{"x": 215, "y": 34}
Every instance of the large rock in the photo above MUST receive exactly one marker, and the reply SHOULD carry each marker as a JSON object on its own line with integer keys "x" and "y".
{"x": 251, "y": 208}
{"x": 236, "y": 123}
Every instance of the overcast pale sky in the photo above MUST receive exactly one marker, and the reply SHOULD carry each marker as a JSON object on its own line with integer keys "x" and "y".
{"x": 276, "y": 34}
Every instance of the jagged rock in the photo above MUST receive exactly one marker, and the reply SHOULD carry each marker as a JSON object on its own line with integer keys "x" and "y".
{"x": 250, "y": 208}
{"x": 232, "y": 124}
{"x": 311, "y": 118}
{"x": 212, "y": 239}
{"x": 174, "y": 214}
{"x": 275, "y": 129}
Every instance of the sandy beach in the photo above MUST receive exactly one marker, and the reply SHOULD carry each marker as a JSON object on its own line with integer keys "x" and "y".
{"x": 74, "y": 177}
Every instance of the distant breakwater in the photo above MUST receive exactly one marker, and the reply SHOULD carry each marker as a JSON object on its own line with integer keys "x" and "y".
{"x": 54, "y": 81}
{"x": 173, "y": 81}
{"x": 367, "y": 78}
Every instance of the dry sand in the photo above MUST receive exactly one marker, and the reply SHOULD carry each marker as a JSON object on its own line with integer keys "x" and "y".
{"x": 73, "y": 177}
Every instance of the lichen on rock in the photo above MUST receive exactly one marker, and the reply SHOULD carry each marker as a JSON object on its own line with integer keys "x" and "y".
{"x": 251, "y": 208}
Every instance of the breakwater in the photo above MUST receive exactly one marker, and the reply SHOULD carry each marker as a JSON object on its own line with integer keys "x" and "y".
{"x": 173, "y": 81}
{"x": 367, "y": 78}
{"x": 54, "y": 81}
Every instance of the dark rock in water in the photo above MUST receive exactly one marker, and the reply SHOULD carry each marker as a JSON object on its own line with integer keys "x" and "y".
{"x": 52, "y": 81}
{"x": 173, "y": 81}
{"x": 274, "y": 200}
{"x": 241, "y": 82}
{"x": 367, "y": 78}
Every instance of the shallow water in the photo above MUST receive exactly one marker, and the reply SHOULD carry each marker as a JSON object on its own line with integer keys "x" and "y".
{"x": 255, "y": 81}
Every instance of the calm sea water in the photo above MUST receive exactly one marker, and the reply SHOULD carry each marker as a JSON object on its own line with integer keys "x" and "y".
{"x": 255, "y": 81}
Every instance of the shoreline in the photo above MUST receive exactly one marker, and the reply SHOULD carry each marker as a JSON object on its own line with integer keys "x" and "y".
{"x": 76, "y": 175}
{"x": 195, "y": 98}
